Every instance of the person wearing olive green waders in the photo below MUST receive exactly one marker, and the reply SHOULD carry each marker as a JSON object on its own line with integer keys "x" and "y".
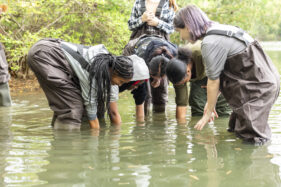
{"x": 198, "y": 93}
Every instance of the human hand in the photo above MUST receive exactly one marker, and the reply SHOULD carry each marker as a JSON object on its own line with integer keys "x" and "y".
{"x": 208, "y": 116}
{"x": 213, "y": 114}
{"x": 153, "y": 22}
{"x": 156, "y": 82}
{"x": 146, "y": 16}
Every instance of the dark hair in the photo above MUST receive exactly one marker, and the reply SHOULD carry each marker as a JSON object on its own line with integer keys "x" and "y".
{"x": 100, "y": 71}
{"x": 184, "y": 54}
{"x": 176, "y": 68}
{"x": 194, "y": 19}
{"x": 157, "y": 66}
{"x": 157, "y": 60}
{"x": 162, "y": 50}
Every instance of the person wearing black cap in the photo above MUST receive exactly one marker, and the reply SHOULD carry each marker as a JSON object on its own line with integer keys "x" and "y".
{"x": 198, "y": 81}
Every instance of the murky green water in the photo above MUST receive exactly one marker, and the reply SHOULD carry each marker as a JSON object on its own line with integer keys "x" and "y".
{"x": 159, "y": 153}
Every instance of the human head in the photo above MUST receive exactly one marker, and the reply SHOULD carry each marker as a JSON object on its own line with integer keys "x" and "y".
{"x": 178, "y": 70}
{"x": 157, "y": 69}
{"x": 107, "y": 70}
{"x": 157, "y": 55}
{"x": 141, "y": 72}
{"x": 192, "y": 23}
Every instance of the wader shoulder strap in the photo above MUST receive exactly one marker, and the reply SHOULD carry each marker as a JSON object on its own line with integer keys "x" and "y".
{"x": 143, "y": 8}
{"x": 237, "y": 35}
{"x": 77, "y": 55}
{"x": 159, "y": 8}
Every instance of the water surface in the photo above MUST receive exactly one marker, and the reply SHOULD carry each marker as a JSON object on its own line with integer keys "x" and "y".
{"x": 160, "y": 152}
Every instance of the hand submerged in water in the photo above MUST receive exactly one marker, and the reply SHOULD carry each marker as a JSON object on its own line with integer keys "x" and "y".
{"x": 208, "y": 116}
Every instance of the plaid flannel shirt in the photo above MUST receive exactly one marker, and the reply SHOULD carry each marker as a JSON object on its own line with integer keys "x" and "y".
{"x": 165, "y": 20}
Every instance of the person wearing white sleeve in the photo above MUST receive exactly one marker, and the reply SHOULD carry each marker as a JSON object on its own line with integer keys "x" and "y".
{"x": 77, "y": 78}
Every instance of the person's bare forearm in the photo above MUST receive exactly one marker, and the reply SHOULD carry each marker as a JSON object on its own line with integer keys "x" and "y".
{"x": 115, "y": 117}
{"x": 94, "y": 124}
{"x": 140, "y": 113}
{"x": 212, "y": 94}
{"x": 181, "y": 113}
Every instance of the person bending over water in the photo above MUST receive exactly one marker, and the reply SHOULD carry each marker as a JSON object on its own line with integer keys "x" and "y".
{"x": 237, "y": 66}
{"x": 74, "y": 77}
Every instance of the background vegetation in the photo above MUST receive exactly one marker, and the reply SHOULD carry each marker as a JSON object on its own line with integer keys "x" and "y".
{"x": 92, "y": 22}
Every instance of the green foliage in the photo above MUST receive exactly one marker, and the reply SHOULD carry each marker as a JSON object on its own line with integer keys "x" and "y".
{"x": 92, "y": 22}
{"x": 260, "y": 18}
{"x": 87, "y": 22}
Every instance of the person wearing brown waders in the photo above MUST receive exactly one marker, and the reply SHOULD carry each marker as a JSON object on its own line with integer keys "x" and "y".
{"x": 76, "y": 77}
{"x": 5, "y": 98}
{"x": 152, "y": 18}
{"x": 237, "y": 66}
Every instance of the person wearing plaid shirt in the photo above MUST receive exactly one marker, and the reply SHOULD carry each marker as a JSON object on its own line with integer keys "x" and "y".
{"x": 152, "y": 17}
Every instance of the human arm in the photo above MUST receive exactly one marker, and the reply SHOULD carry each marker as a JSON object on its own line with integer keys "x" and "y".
{"x": 181, "y": 102}
{"x": 94, "y": 124}
{"x": 115, "y": 117}
{"x": 181, "y": 114}
{"x": 139, "y": 94}
{"x": 135, "y": 20}
{"x": 212, "y": 95}
{"x": 165, "y": 23}
{"x": 140, "y": 112}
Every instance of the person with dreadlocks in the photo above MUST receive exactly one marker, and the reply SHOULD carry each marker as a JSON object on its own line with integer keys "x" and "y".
{"x": 5, "y": 97}
{"x": 76, "y": 77}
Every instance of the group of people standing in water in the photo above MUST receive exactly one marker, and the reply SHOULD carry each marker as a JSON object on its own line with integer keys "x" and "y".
{"x": 228, "y": 71}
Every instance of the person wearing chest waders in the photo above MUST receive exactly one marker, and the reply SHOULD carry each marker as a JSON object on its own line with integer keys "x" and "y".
{"x": 237, "y": 66}
{"x": 189, "y": 59}
{"x": 5, "y": 98}
{"x": 76, "y": 77}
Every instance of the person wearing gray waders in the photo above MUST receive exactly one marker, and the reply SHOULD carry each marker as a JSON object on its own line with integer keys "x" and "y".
{"x": 237, "y": 66}
{"x": 76, "y": 77}
{"x": 5, "y": 98}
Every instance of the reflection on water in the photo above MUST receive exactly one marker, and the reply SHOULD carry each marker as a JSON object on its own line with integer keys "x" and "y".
{"x": 158, "y": 153}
